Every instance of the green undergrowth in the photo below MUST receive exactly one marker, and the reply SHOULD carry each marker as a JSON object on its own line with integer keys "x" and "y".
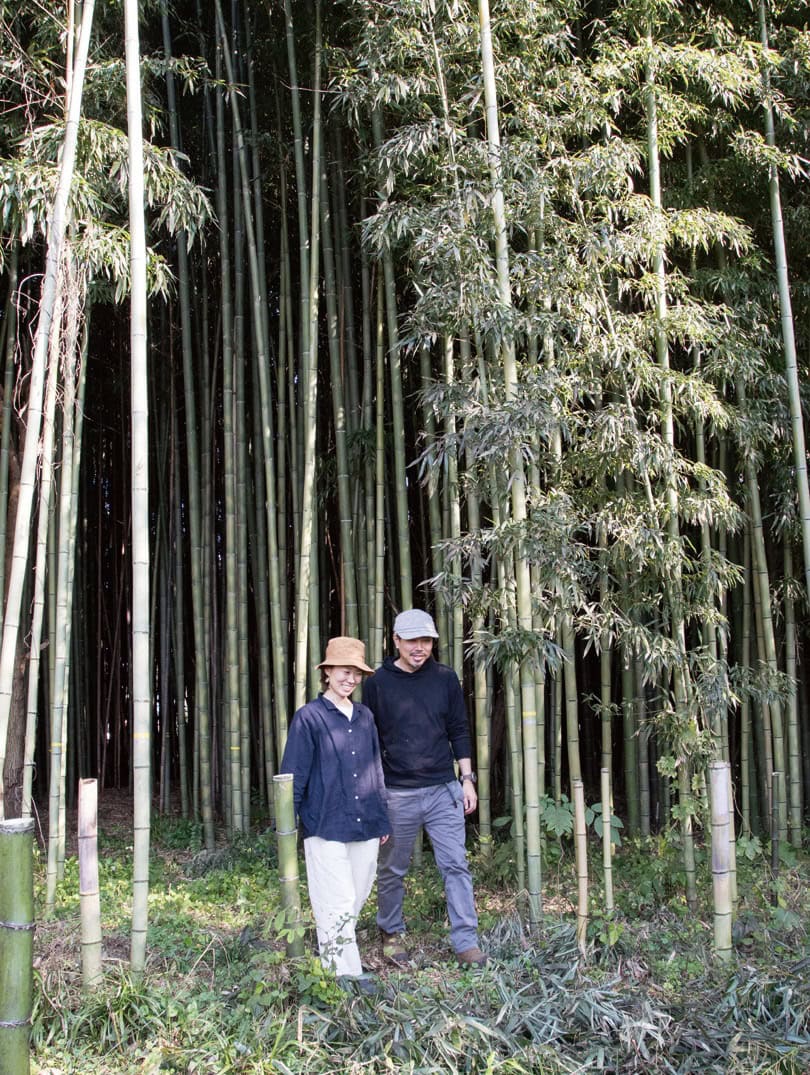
{"x": 219, "y": 994}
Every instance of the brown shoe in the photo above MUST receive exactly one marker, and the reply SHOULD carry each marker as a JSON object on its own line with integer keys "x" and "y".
{"x": 393, "y": 949}
{"x": 471, "y": 957}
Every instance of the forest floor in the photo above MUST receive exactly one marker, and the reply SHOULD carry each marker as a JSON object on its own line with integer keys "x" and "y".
{"x": 220, "y": 995}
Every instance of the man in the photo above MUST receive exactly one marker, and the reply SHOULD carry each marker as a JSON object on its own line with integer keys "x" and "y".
{"x": 422, "y": 724}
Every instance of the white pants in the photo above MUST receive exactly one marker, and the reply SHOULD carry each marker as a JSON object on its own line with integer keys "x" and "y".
{"x": 339, "y": 877}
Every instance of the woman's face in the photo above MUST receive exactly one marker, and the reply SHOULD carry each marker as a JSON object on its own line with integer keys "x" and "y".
{"x": 342, "y": 679}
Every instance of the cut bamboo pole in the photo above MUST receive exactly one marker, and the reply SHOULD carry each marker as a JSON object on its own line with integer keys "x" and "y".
{"x": 16, "y": 943}
{"x": 287, "y": 839}
{"x": 89, "y": 897}
{"x": 776, "y": 795}
{"x": 581, "y": 854}
{"x": 721, "y": 858}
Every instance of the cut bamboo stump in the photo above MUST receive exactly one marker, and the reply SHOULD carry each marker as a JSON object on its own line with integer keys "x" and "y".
{"x": 287, "y": 838}
{"x": 89, "y": 897}
{"x": 16, "y": 943}
{"x": 721, "y": 859}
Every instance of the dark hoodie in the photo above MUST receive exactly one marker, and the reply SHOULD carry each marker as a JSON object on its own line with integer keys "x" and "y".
{"x": 422, "y": 723}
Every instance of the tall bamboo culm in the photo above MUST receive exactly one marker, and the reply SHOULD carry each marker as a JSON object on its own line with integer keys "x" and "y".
{"x": 141, "y": 679}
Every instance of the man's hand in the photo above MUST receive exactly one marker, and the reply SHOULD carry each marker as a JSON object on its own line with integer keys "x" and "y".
{"x": 470, "y": 796}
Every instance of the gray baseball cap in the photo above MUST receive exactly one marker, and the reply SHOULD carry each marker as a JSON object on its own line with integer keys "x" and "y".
{"x": 415, "y": 623}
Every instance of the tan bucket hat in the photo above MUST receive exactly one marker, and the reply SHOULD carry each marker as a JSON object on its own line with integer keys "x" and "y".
{"x": 345, "y": 652}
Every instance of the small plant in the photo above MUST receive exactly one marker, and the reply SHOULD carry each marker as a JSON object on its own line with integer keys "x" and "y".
{"x": 176, "y": 833}
{"x": 126, "y": 1011}
{"x": 593, "y": 816}
{"x": 605, "y": 928}
{"x": 557, "y": 817}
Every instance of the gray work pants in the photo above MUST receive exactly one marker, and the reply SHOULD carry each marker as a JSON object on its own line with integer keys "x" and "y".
{"x": 440, "y": 809}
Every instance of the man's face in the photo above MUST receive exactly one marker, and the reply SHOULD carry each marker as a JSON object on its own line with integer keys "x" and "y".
{"x": 413, "y": 652}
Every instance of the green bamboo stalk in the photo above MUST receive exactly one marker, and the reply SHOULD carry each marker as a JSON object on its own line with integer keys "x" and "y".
{"x": 481, "y": 698}
{"x": 607, "y": 840}
{"x": 745, "y": 705}
{"x": 762, "y": 756}
{"x": 64, "y": 604}
{"x": 242, "y": 214}
{"x": 776, "y": 826}
{"x": 232, "y": 769}
{"x": 9, "y": 343}
{"x": 371, "y": 344}
{"x": 766, "y": 632}
{"x": 569, "y": 681}
{"x": 345, "y": 278}
{"x": 377, "y": 602}
{"x": 786, "y": 311}
{"x": 514, "y": 745}
{"x": 518, "y": 491}
{"x": 433, "y": 486}
{"x": 605, "y": 667}
{"x": 642, "y": 747}
{"x": 674, "y": 583}
{"x": 40, "y": 572}
{"x": 285, "y": 429}
{"x": 30, "y": 460}
{"x": 455, "y": 618}
{"x": 305, "y": 610}
{"x": 305, "y": 273}
{"x": 179, "y": 639}
{"x": 16, "y": 943}
{"x": 262, "y": 350}
{"x": 581, "y": 855}
{"x": 350, "y": 621}
{"x": 287, "y": 841}
{"x": 258, "y": 545}
{"x": 557, "y": 725}
{"x": 405, "y": 573}
{"x": 794, "y": 773}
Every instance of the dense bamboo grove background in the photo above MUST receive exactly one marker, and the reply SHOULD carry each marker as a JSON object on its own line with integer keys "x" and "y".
{"x": 498, "y": 312}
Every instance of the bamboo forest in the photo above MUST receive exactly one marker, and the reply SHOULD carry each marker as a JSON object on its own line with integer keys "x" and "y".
{"x": 314, "y": 312}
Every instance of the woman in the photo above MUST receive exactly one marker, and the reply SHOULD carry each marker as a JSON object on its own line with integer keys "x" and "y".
{"x": 334, "y": 755}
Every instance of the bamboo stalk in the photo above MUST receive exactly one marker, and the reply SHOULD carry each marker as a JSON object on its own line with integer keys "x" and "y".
{"x": 16, "y": 943}
{"x": 518, "y": 483}
{"x": 56, "y": 235}
{"x": 9, "y": 342}
{"x": 287, "y": 838}
{"x": 792, "y": 377}
{"x": 89, "y": 895}
{"x": 607, "y": 841}
{"x": 581, "y": 854}
{"x": 721, "y": 858}
{"x": 794, "y": 773}
{"x": 141, "y": 679}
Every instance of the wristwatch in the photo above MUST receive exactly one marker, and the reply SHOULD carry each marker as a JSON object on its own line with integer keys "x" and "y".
{"x": 468, "y": 776}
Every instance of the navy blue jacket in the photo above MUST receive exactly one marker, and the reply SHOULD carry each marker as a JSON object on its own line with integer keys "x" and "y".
{"x": 338, "y": 786}
{"x": 422, "y": 721}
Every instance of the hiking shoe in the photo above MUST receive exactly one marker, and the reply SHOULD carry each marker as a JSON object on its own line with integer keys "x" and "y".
{"x": 393, "y": 949}
{"x": 471, "y": 957}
